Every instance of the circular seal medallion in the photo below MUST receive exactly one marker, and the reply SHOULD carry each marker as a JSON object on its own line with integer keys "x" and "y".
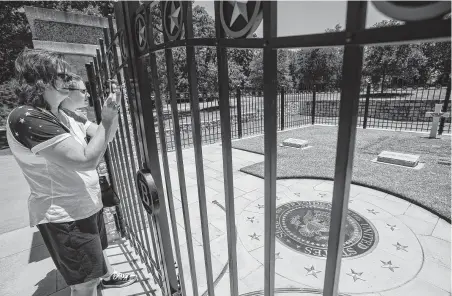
{"x": 140, "y": 32}
{"x": 240, "y": 18}
{"x": 413, "y": 10}
{"x": 172, "y": 21}
{"x": 304, "y": 227}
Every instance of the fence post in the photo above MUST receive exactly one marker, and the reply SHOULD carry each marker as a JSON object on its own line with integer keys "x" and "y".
{"x": 239, "y": 112}
{"x": 313, "y": 104}
{"x": 366, "y": 108}
{"x": 445, "y": 106}
{"x": 282, "y": 107}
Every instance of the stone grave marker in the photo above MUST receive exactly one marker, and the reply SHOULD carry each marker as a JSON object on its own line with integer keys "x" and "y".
{"x": 296, "y": 143}
{"x": 397, "y": 158}
{"x": 437, "y": 114}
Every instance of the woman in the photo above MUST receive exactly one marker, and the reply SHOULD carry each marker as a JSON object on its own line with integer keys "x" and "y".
{"x": 60, "y": 168}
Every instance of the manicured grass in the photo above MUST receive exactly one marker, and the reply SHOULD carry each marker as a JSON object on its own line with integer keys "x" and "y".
{"x": 429, "y": 187}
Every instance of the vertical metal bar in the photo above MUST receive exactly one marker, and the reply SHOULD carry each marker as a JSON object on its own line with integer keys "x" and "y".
{"x": 127, "y": 193}
{"x": 142, "y": 91}
{"x": 239, "y": 113}
{"x": 180, "y": 167}
{"x": 366, "y": 107}
{"x": 445, "y": 106}
{"x": 351, "y": 75}
{"x": 282, "y": 107}
{"x": 128, "y": 160}
{"x": 197, "y": 141}
{"x": 163, "y": 145}
{"x": 97, "y": 110}
{"x": 270, "y": 129}
{"x": 223, "y": 84}
{"x": 313, "y": 105}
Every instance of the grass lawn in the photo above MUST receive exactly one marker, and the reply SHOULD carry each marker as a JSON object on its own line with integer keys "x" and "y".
{"x": 429, "y": 187}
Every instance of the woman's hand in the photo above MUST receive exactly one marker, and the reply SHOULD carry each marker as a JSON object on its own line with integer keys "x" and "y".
{"x": 110, "y": 110}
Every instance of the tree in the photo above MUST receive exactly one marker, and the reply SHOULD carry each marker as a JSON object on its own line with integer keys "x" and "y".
{"x": 389, "y": 61}
{"x": 317, "y": 66}
{"x": 15, "y": 31}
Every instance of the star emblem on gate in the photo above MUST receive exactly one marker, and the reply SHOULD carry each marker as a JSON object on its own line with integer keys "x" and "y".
{"x": 240, "y": 18}
{"x": 140, "y": 32}
{"x": 173, "y": 19}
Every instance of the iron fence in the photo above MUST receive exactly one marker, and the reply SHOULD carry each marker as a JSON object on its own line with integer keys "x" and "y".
{"x": 397, "y": 108}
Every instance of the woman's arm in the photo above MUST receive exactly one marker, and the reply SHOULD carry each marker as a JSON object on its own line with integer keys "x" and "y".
{"x": 70, "y": 153}
{"x": 92, "y": 129}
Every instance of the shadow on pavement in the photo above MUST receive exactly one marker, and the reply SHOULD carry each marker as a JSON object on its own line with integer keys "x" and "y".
{"x": 37, "y": 254}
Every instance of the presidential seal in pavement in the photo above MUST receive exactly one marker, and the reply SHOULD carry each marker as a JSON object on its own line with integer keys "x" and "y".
{"x": 304, "y": 227}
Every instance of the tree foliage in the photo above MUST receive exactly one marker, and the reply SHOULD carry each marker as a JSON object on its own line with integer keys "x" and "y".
{"x": 15, "y": 31}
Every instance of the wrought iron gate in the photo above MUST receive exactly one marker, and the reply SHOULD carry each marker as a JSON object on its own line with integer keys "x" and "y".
{"x": 135, "y": 149}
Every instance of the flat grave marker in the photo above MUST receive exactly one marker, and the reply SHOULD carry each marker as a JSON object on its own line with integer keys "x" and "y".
{"x": 296, "y": 143}
{"x": 397, "y": 158}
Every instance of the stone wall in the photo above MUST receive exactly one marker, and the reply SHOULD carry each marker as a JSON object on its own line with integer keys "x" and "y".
{"x": 401, "y": 110}
{"x": 74, "y": 35}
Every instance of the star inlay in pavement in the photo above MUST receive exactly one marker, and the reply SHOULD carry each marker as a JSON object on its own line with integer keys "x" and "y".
{"x": 400, "y": 247}
{"x": 21, "y": 120}
{"x": 255, "y": 236}
{"x": 311, "y": 271}
{"x": 392, "y": 227}
{"x": 322, "y": 194}
{"x": 27, "y": 113}
{"x": 239, "y": 9}
{"x": 355, "y": 275}
{"x": 174, "y": 17}
{"x": 251, "y": 219}
{"x": 372, "y": 211}
{"x": 277, "y": 256}
{"x": 388, "y": 265}
{"x": 260, "y": 206}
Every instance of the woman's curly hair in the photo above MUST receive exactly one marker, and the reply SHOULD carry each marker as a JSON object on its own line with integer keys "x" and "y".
{"x": 36, "y": 69}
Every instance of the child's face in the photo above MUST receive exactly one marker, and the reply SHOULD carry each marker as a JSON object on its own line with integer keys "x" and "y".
{"x": 78, "y": 97}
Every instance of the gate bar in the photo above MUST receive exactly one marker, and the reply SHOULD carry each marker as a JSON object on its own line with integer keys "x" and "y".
{"x": 120, "y": 146}
{"x": 223, "y": 83}
{"x": 348, "y": 114}
{"x": 139, "y": 75}
{"x": 163, "y": 144}
{"x": 270, "y": 128}
{"x": 197, "y": 141}
{"x": 131, "y": 168}
{"x": 180, "y": 168}
{"x": 103, "y": 75}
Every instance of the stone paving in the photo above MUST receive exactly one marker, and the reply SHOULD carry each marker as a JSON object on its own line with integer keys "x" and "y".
{"x": 392, "y": 248}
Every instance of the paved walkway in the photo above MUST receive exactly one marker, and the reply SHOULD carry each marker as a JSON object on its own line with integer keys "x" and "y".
{"x": 392, "y": 247}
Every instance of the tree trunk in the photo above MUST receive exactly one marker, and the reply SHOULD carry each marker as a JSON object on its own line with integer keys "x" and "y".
{"x": 383, "y": 79}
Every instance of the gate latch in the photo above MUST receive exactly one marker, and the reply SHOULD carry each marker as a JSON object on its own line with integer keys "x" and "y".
{"x": 148, "y": 191}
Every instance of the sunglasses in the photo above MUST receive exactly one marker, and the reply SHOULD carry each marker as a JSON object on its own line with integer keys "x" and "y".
{"x": 83, "y": 91}
{"x": 65, "y": 77}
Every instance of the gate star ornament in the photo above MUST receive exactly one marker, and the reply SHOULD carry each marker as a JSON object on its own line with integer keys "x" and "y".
{"x": 240, "y": 19}
{"x": 174, "y": 17}
{"x": 239, "y": 10}
{"x": 140, "y": 31}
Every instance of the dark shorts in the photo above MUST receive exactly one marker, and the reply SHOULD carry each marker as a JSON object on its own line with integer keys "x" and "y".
{"x": 76, "y": 247}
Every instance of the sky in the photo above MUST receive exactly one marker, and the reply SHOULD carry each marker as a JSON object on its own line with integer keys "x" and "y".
{"x": 309, "y": 17}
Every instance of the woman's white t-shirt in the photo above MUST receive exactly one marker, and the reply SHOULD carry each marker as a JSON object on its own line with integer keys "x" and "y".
{"x": 58, "y": 194}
